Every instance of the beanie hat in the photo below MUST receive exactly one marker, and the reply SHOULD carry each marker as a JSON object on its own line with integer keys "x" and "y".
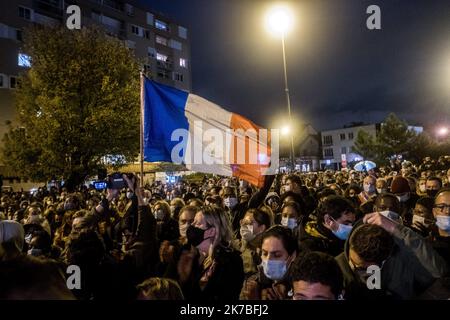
{"x": 400, "y": 185}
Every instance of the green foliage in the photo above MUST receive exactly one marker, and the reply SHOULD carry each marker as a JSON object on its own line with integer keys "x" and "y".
{"x": 394, "y": 138}
{"x": 78, "y": 103}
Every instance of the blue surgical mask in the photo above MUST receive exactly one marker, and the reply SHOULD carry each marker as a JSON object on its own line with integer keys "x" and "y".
{"x": 291, "y": 223}
{"x": 343, "y": 231}
{"x": 274, "y": 269}
{"x": 443, "y": 223}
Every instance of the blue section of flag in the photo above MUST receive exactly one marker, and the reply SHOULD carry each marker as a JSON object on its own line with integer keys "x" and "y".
{"x": 164, "y": 112}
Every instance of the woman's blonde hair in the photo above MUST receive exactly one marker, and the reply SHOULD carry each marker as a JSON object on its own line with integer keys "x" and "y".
{"x": 218, "y": 218}
{"x": 160, "y": 289}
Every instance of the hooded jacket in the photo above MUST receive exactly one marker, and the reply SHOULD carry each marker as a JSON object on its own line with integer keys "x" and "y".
{"x": 412, "y": 267}
{"x": 315, "y": 237}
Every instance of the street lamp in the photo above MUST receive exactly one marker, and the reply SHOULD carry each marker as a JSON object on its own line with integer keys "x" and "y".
{"x": 285, "y": 130}
{"x": 279, "y": 21}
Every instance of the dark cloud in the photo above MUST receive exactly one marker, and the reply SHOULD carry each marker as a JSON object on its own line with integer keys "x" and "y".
{"x": 338, "y": 70}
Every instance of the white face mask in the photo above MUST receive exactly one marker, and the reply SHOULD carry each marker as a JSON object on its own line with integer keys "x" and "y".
{"x": 369, "y": 188}
{"x": 443, "y": 223}
{"x": 423, "y": 188}
{"x": 420, "y": 220}
{"x": 159, "y": 214}
{"x": 391, "y": 215}
{"x": 403, "y": 198}
{"x": 230, "y": 202}
{"x": 247, "y": 232}
{"x": 291, "y": 223}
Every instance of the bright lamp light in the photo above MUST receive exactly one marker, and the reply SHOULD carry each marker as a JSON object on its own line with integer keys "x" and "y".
{"x": 279, "y": 20}
{"x": 442, "y": 131}
{"x": 285, "y": 130}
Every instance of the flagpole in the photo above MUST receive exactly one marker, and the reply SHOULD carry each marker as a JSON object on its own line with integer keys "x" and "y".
{"x": 141, "y": 130}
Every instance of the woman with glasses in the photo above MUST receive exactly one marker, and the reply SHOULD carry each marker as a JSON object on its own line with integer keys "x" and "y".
{"x": 441, "y": 236}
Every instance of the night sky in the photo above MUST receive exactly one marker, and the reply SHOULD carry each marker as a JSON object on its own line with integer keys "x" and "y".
{"x": 338, "y": 70}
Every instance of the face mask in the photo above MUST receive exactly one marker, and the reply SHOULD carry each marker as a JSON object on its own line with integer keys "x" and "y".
{"x": 381, "y": 190}
{"x": 287, "y": 188}
{"x": 34, "y": 252}
{"x": 432, "y": 193}
{"x": 183, "y": 228}
{"x": 423, "y": 188}
{"x": 343, "y": 231}
{"x": 274, "y": 269}
{"x": 69, "y": 206}
{"x": 129, "y": 195}
{"x": 195, "y": 235}
{"x": 369, "y": 188}
{"x": 443, "y": 223}
{"x": 390, "y": 215}
{"x": 403, "y": 198}
{"x": 247, "y": 233}
{"x": 159, "y": 214}
{"x": 291, "y": 223}
{"x": 420, "y": 220}
{"x": 230, "y": 202}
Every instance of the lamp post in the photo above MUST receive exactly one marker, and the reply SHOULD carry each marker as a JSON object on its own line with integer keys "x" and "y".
{"x": 279, "y": 21}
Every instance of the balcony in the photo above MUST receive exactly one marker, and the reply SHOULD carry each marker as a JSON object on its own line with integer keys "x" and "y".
{"x": 53, "y": 7}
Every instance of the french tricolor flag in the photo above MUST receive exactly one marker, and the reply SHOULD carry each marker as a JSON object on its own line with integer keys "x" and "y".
{"x": 186, "y": 129}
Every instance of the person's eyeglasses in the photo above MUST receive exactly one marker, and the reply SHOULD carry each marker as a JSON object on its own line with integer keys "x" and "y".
{"x": 442, "y": 206}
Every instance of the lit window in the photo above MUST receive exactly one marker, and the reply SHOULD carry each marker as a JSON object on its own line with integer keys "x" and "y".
{"x": 161, "y": 57}
{"x": 149, "y": 18}
{"x": 161, "y": 40}
{"x": 182, "y": 32}
{"x": 183, "y": 63}
{"x": 175, "y": 44}
{"x": 24, "y": 60}
{"x": 161, "y": 25}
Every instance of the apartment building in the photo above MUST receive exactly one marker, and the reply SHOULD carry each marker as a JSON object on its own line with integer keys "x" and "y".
{"x": 158, "y": 42}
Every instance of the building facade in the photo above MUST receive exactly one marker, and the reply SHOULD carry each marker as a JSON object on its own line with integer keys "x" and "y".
{"x": 338, "y": 145}
{"x": 161, "y": 45}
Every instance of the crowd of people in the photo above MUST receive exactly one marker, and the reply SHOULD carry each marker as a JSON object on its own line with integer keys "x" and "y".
{"x": 317, "y": 235}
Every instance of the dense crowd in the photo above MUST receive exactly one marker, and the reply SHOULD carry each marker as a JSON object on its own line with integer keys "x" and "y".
{"x": 381, "y": 234}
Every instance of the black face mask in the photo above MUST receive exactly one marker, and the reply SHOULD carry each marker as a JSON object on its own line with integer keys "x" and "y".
{"x": 195, "y": 235}
{"x": 432, "y": 193}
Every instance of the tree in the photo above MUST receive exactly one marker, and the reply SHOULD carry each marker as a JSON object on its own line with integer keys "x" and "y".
{"x": 393, "y": 138}
{"x": 77, "y": 103}
{"x": 366, "y": 145}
